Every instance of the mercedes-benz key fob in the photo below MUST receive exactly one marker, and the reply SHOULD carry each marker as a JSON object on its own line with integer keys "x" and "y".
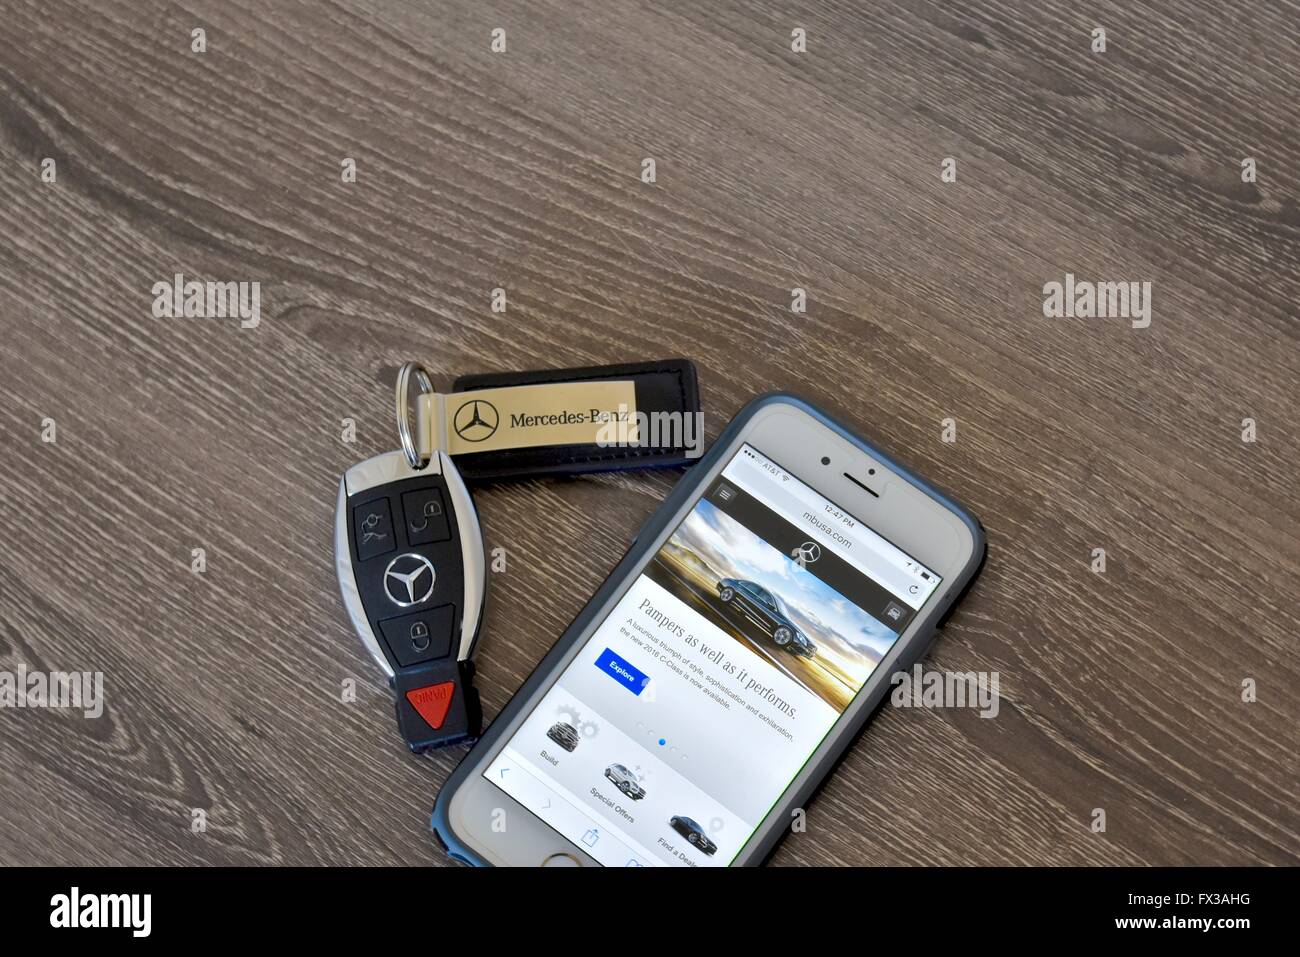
{"x": 409, "y": 555}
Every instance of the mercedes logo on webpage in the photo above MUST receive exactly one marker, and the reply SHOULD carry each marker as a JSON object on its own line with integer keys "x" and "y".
{"x": 806, "y": 553}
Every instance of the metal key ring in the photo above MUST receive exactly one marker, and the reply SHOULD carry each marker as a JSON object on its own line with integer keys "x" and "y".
{"x": 404, "y": 430}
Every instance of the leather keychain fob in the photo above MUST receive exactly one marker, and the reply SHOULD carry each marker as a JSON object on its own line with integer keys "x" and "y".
{"x": 408, "y": 551}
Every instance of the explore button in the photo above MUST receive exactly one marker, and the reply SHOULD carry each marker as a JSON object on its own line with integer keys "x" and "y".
{"x": 618, "y": 669}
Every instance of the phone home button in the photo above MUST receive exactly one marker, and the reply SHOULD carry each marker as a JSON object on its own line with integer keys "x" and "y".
{"x": 561, "y": 860}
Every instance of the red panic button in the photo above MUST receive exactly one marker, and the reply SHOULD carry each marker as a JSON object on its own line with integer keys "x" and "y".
{"x": 433, "y": 702}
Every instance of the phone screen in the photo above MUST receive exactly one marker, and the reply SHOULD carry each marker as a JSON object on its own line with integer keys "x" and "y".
{"x": 697, "y": 701}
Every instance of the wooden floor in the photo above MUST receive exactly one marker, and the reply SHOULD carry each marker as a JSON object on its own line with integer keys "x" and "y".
{"x": 522, "y": 170}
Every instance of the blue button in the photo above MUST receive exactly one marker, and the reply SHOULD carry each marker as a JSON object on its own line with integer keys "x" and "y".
{"x": 618, "y": 669}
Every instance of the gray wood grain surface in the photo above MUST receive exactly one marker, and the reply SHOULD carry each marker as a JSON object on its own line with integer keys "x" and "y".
{"x": 521, "y": 169}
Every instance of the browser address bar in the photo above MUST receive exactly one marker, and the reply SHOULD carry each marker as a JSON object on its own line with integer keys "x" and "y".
{"x": 860, "y": 546}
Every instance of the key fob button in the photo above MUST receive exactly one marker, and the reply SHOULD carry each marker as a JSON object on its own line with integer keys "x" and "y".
{"x": 373, "y": 525}
{"x": 426, "y": 516}
{"x": 433, "y": 702}
{"x": 424, "y": 636}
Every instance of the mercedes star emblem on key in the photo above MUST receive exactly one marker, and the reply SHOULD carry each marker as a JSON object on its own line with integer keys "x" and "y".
{"x": 404, "y": 579}
{"x": 476, "y": 420}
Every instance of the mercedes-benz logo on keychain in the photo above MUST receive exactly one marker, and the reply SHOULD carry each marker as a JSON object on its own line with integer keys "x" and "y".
{"x": 408, "y": 552}
{"x": 476, "y": 420}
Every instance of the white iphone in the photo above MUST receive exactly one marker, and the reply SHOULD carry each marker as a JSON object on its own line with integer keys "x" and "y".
{"x": 731, "y": 657}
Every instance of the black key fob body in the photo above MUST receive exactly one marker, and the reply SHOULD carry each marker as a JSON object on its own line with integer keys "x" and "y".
{"x": 408, "y": 551}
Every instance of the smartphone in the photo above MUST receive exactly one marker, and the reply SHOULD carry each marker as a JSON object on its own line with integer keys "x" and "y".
{"x": 740, "y": 645}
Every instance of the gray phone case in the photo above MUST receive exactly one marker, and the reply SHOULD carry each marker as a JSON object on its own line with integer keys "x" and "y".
{"x": 768, "y": 836}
